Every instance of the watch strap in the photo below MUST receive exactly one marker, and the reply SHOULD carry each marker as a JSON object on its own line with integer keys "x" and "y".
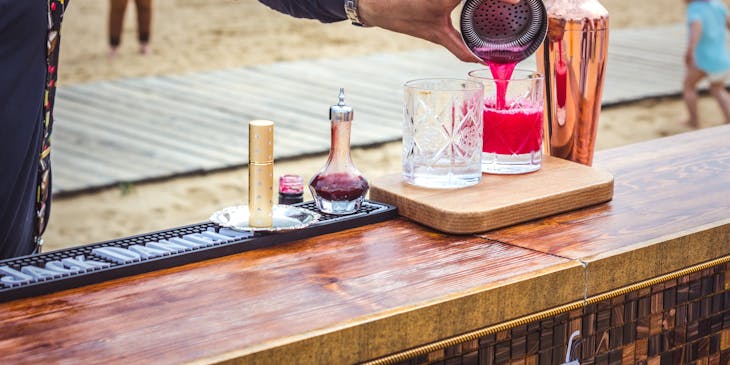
{"x": 352, "y": 13}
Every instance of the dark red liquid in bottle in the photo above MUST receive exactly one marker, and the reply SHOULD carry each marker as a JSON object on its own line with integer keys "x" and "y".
{"x": 340, "y": 186}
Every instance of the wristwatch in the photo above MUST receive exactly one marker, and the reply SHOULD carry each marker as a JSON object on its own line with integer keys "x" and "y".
{"x": 352, "y": 14}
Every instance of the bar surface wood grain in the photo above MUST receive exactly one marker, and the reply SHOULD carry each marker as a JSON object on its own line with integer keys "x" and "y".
{"x": 671, "y": 207}
{"x": 351, "y": 288}
{"x": 371, "y": 291}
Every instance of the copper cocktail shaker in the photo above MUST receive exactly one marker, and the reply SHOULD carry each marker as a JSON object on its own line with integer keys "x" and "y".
{"x": 573, "y": 60}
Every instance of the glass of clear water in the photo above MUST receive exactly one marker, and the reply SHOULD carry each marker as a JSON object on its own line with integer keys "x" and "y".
{"x": 442, "y": 132}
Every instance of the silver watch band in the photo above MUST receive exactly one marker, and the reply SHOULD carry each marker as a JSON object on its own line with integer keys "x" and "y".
{"x": 352, "y": 13}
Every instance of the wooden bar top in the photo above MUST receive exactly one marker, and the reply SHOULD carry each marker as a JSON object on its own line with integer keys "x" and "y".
{"x": 371, "y": 291}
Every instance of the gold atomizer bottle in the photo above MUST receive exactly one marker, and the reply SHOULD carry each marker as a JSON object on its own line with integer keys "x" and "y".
{"x": 260, "y": 172}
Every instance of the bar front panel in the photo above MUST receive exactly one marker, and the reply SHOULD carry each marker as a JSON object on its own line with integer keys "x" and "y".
{"x": 679, "y": 321}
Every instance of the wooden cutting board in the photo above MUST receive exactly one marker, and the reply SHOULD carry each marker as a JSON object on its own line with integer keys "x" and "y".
{"x": 498, "y": 200}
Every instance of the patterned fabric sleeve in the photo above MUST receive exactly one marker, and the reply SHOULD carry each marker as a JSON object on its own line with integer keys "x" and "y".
{"x": 56, "y": 9}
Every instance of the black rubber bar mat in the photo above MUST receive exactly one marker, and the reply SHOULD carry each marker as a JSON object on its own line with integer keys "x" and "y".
{"x": 33, "y": 275}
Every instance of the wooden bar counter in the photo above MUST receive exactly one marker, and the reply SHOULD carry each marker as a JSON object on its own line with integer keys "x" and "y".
{"x": 645, "y": 278}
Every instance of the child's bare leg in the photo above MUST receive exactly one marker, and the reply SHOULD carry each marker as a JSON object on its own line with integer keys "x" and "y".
{"x": 720, "y": 93}
{"x": 693, "y": 76}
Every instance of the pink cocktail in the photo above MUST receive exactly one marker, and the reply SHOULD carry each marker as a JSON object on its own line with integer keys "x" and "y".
{"x": 513, "y": 120}
{"x": 513, "y": 131}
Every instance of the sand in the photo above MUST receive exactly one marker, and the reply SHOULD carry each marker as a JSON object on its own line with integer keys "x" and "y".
{"x": 197, "y": 35}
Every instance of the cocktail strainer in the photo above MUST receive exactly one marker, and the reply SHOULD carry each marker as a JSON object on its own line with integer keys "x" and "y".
{"x": 498, "y": 31}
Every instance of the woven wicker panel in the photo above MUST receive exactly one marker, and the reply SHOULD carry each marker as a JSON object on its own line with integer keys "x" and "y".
{"x": 679, "y": 321}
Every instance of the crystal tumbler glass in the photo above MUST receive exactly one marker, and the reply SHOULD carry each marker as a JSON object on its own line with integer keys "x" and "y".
{"x": 442, "y": 132}
{"x": 513, "y": 121}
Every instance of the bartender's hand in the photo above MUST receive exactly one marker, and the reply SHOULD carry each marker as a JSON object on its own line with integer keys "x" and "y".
{"x": 425, "y": 19}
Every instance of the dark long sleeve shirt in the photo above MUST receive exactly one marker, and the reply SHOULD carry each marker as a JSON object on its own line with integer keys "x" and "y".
{"x": 326, "y": 11}
{"x": 23, "y": 27}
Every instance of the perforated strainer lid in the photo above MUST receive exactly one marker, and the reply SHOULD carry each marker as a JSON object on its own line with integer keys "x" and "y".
{"x": 500, "y": 32}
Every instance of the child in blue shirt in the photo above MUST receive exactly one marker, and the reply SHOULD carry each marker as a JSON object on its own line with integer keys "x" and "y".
{"x": 706, "y": 55}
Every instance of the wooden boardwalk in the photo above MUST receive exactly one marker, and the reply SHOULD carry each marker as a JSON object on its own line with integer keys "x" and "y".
{"x": 133, "y": 130}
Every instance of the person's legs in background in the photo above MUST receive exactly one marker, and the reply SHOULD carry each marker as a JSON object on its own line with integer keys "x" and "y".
{"x": 116, "y": 21}
{"x": 144, "y": 24}
{"x": 691, "y": 78}
{"x": 718, "y": 91}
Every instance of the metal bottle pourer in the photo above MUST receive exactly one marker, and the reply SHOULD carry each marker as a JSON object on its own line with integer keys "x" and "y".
{"x": 497, "y": 31}
{"x": 341, "y": 112}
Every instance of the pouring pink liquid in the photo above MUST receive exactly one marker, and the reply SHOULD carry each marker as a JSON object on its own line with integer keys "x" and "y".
{"x": 502, "y": 73}
{"x": 509, "y": 129}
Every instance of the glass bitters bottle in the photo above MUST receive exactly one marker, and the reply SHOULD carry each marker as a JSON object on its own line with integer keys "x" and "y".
{"x": 339, "y": 188}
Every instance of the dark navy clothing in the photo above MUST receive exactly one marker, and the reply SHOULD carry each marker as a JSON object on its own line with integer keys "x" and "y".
{"x": 326, "y": 11}
{"x": 23, "y": 29}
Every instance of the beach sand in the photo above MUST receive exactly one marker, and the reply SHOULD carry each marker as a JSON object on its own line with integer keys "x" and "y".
{"x": 197, "y": 35}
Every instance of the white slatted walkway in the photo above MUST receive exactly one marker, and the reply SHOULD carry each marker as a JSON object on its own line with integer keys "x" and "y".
{"x": 139, "y": 129}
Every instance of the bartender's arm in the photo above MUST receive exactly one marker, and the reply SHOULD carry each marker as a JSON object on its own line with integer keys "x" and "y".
{"x": 425, "y": 19}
